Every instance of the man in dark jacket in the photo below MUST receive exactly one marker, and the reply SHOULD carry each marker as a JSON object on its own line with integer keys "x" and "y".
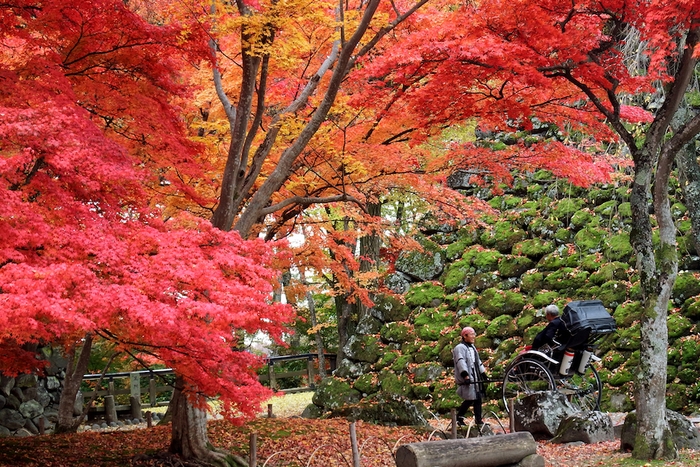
{"x": 555, "y": 328}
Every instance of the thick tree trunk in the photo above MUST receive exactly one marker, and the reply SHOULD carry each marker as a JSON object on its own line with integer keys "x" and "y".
{"x": 657, "y": 270}
{"x": 189, "y": 433}
{"x": 77, "y": 367}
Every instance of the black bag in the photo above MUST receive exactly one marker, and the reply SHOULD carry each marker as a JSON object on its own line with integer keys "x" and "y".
{"x": 588, "y": 315}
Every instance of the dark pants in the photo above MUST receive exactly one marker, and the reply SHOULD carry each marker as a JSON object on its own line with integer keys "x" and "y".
{"x": 477, "y": 409}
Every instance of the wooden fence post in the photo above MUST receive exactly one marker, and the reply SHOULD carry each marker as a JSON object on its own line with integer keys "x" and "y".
{"x": 135, "y": 397}
{"x": 353, "y": 443}
{"x": 253, "y": 460}
{"x": 310, "y": 372}
{"x": 110, "y": 409}
{"x": 453, "y": 414}
{"x": 152, "y": 391}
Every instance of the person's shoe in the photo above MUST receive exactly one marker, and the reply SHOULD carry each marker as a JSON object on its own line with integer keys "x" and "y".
{"x": 460, "y": 421}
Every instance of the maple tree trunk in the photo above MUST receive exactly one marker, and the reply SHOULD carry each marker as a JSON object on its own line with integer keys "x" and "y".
{"x": 67, "y": 422}
{"x": 189, "y": 433}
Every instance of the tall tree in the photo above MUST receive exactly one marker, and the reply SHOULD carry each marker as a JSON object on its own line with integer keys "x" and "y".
{"x": 91, "y": 138}
{"x": 563, "y": 63}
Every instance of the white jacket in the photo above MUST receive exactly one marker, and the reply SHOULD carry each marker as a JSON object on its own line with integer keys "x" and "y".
{"x": 467, "y": 359}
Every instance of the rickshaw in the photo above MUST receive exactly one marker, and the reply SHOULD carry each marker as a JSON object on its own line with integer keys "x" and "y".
{"x": 566, "y": 367}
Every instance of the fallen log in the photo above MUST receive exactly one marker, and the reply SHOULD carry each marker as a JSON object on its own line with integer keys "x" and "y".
{"x": 485, "y": 451}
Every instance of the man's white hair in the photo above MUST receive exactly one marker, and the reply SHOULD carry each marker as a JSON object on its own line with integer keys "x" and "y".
{"x": 552, "y": 310}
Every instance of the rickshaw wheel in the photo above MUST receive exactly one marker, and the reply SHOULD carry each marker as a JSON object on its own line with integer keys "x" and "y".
{"x": 525, "y": 376}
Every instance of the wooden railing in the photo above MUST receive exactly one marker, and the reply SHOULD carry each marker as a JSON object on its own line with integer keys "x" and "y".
{"x": 158, "y": 391}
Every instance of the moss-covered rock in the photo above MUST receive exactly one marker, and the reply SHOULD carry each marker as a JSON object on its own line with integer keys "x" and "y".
{"x": 532, "y": 281}
{"x": 425, "y": 294}
{"x": 687, "y": 285}
{"x": 422, "y": 265}
{"x": 612, "y": 293}
{"x": 606, "y": 209}
{"x": 482, "y": 281}
{"x": 366, "y": 384}
{"x": 610, "y": 271}
{"x": 445, "y": 396}
{"x": 620, "y": 377}
{"x": 581, "y": 219}
{"x": 395, "y": 385}
{"x": 503, "y": 236}
{"x": 678, "y": 325}
{"x": 400, "y": 365}
{"x": 428, "y": 352}
{"x": 487, "y": 260}
{"x": 514, "y": 266}
{"x": 533, "y": 248}
{"x": 628, "y": 338}
{"x": 544, "y": 228}
{"x": 566, "y": 208}
{"x": 430, "y": 323}
{"x": 502, "y": 327}
{"x": 363, "y": 348}
{"x": 560, "y": 258}
{"x": 627, "y": 313}
{"x": 590, "y": 239}
{"x": 618, "y": 247}
{"x": 397, "y": 332}
{"x": 455, "y": 275}
{"x": 332, "y": 393}
{"x": 566, "y": 279}
{"x": 428, "y": 372}
{"x": 494, "y": 302}
{"x": 598, "y": 196}
{"x": 591, "y": 262}
{"x": 391, "y": 308}
{"x": 475, "y": 320}
{"x": 466, "y": 238}
{"x": 691, "y": 308}
{"x": 527, "y": 318}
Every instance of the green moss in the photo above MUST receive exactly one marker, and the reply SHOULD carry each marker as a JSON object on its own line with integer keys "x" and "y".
{"x": 366, "y": 384}
{"x": 483, "y": 281}
{"x": 427, "y": 372}
{"x": 612, "y": 293}
{"x": 544, "y": 228}
{"x": 581, "y": 219}
{"x": 445, "y": 396}
{"x": 620, "y": 377}
{"x": 614, "y": 359}
{"x": 676, "y": 397}
{"x": 425, "y": 294}
{"x": 618, "y": 247}
{"x": 534, "y": 248}
{"x": 610, "y": 271}
{"x": 678, "y": 325}
{"x": 455, "y": 275}
{"x": 333, "y": 393}
{"x": 563, "y": 236}
{"x": 466, "y": 238}
{"x": 628, "y": 338}
{"x": 503, "y": 236}
{"x": 592, "y": 262}
{"x": 494, "y": 302}
{"x": 531, "y": 281}
{"x": 627, "y": 313}
{"x": 430, "y": 323}
{"x": 391, "y": 308}
{"x": 624, "y": 210}
{"x": 691, "y": 308}
{"x": 566, "y": 279}
{"x": 566, "y": 208}
{"x": 428, "y": 352}
{"x": 590, "y": 239}
{"x": 397, "y": 332}
{"x": 556, "y": 260}
{"x": 400, "y": 365}
{"x": 514, "y": 266}
{"x": 502, "y": 327}
{"x": 487, "y": 260}
{"x": 386, "y": 360}
{"x": 687, "y": 285}
{"x": 395, "y": 385}
{"x": 599, "y": 196}
{"x": 607, "y": 209}
{"x": 365, "y": 348}
{"x": 544, "y": 298}
{"x": 678, "y": 210}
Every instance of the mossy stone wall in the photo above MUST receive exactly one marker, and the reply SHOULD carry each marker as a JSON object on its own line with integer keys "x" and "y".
{"x": 552, "y": 243}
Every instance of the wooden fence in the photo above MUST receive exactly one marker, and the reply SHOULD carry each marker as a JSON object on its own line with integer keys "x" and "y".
{"x": 157, "y": 391}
